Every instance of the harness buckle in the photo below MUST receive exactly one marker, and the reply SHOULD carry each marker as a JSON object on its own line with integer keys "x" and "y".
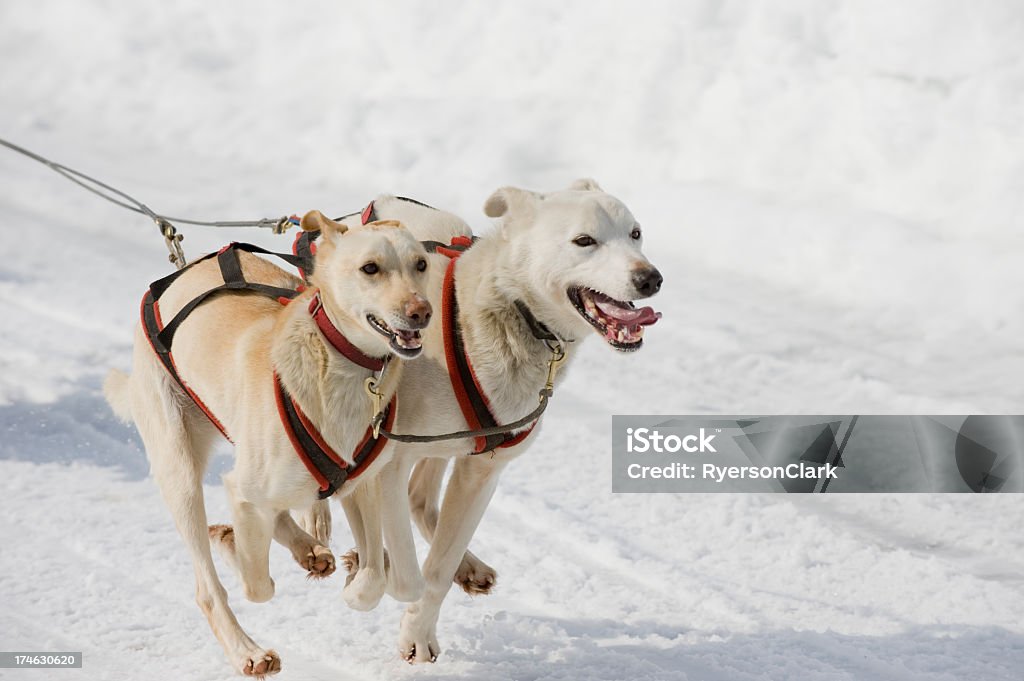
{"x": 377, "y": 398}
{"x": 173, "y": 242}
{"x": 558, "y": 356}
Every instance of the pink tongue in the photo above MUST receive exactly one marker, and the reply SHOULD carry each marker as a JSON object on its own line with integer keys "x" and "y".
{"x": 643, "y": 316}
{"x": 648, "y": 316}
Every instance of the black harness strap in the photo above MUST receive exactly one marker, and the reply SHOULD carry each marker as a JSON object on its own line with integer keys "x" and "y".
{"x": 538, "y": 328}
{"x": 234, "y": 280}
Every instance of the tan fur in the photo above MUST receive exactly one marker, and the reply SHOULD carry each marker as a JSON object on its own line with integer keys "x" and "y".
{"x": 227, "y": 352}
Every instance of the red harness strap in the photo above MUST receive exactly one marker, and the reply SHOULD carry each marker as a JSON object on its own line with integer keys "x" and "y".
{"x": 473, "y": 402}
{"x": 323, "y": 463}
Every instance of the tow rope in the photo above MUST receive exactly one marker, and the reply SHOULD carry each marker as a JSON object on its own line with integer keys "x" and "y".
{"x": 172, "y": 239}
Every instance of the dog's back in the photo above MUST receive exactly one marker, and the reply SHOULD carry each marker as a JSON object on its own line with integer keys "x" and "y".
{"x": 425, "y": 222}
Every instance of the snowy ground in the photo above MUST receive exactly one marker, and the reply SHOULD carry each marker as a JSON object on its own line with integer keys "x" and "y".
{"x": 832, "y": 190}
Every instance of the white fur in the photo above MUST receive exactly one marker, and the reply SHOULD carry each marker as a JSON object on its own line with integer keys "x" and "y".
{"x": 531, "y": 258}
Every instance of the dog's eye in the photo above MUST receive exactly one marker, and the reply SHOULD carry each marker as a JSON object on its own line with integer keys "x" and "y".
{"x": 635, "y": 234}
{"x": 584, "y": 240}
{"x": 370, "y": 268}
{"x": 421, "y": 265}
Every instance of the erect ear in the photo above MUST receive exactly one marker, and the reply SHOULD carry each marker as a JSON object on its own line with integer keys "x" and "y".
{"x": 509, "y": 199}
{"x": 586, "y": 184}
{"x": 315, "y": 221}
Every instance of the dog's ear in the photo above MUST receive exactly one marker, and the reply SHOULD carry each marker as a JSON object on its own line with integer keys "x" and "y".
{"x": 586, "y": 184}
{"x": 509, "y": 199}
{"x": 315, "y": 221}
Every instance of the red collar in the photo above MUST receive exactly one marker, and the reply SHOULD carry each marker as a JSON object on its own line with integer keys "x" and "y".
{"x": 338, "y": 340}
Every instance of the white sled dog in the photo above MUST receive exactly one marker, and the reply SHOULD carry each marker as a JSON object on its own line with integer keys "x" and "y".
{"x": 565, "y": 264}
{"x": 242, "y": 357}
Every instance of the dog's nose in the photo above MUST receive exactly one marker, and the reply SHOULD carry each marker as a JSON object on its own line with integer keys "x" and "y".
{"x": 647, "y": 281}
{"x": 418, "y": 311}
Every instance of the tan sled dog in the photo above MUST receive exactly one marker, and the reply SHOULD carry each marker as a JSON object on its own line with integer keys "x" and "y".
{"x": 369, "y": 281}
{"x": 573, "y": 260}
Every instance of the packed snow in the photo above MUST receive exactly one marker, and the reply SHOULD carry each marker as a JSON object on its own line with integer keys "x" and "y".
{"x": 832, "y": 189}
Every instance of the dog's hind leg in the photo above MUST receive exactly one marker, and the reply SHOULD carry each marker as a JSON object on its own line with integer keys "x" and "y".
{"x": 177, "y": 444}
{"x": 364, "y": 589}
{"x": 473, "y": 575}
{"x": 253, "y": 530}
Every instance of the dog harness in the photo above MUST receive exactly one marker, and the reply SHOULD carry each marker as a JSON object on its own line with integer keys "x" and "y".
{"x": 323, "y": 463}
{"x": 472, "y": 400}
{"x": 476, "y": 409}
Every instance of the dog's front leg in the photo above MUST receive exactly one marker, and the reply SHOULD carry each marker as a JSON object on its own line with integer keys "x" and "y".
{"x": 405, "y": 581}
{"x": 364, "y": 590}
{"x": 308, "y": 552}
{"x": 473, "y": 575}
{"x": 316, "y": 521}
{"x": 469, "y": 491}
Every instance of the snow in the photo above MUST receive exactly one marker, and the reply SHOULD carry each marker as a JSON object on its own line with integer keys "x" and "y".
{"x": 831, "y": 188}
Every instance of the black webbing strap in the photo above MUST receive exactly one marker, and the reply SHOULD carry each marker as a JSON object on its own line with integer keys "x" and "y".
{"x": 303, "y": 249}
{"x": 152, "y": 328}
{"x": 234, "y": 280}
{"x": 538, "y": 328}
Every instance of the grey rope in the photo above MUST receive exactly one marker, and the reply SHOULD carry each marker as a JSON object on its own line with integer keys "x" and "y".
{"x": 163, "y": 222}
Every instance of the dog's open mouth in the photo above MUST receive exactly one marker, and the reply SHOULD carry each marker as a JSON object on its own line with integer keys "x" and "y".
{"x": 406, "y": 343}
{"x": 620, "y": 322}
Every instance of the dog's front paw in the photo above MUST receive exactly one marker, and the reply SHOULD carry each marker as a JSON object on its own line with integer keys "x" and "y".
{"x": 417, "y": 641}
{"x": 475, "y": 576}
{"x": 318, "y": 562}
{"x": 260, "y": 663}
{"x": 364, "y": 590}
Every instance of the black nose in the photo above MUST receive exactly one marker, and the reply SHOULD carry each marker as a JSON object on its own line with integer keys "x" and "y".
{"x": 647, "y": 281}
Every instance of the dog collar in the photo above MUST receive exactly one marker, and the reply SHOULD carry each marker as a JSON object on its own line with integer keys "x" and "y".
{"x": 337, "y": 339}
{"x": 538, "y": 328}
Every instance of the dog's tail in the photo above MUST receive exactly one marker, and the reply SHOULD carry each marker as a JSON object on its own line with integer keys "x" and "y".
{"x": 117, "y": 388}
